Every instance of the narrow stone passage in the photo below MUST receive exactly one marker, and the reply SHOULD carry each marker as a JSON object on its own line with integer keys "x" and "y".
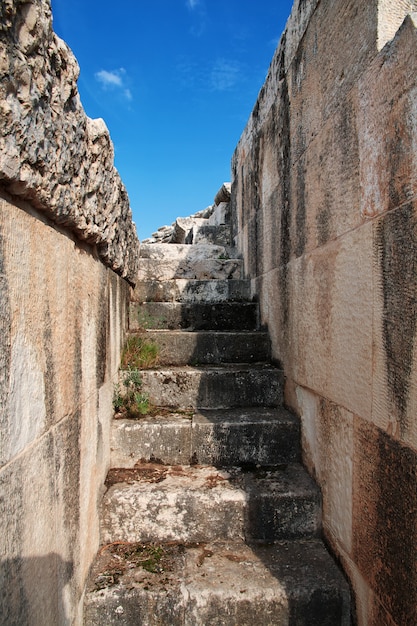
{"x": 209, "y": 517}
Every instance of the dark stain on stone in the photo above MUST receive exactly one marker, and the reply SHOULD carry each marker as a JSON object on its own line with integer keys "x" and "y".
{"x": 103, "y": 327}
{"x": 67, "y": 470}
{"x": 323, "y": 222}
{"x": 14, "y": 605}
{"x": 384, "y": 520}
{"x": 50, "y": 381}
{"x": 300, "y": 216}
{"x": 285, "y": 169}
{"x": 398, "y": 186}
{"x": 5, "y": 345}
{"x": 396, "y": 247}
{"x": 77, "y": 370}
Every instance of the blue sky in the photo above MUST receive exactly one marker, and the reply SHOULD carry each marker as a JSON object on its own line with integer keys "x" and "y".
{"x": 175, "y": 82}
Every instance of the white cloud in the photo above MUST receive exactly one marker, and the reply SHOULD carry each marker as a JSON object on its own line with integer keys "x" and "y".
{"x": 109, "y": 79}
{"x": 192, "y": 4}
{"x": 224, "y": 75}
{"x": 114, "y": 80}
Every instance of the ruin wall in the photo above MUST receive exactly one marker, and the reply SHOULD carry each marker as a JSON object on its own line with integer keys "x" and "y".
{"x": 68, "y": 250}
{"x": 324, "y": 202}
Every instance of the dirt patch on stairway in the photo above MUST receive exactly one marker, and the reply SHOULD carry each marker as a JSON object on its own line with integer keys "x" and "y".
{"x": 147, "y": 565}
{"x": 148, "y": 472}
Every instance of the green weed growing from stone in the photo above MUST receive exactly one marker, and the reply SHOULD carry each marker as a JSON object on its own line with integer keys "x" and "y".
{"x": 130, "y": 401}
{"x": 139, "y": 353}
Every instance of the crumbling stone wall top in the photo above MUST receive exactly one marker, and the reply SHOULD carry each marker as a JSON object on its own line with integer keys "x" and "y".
{"x": 51, "y": 153}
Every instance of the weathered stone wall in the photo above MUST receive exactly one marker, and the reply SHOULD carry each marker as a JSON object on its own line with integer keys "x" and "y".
{"x": 66, "y": 241}
{"x": 324, "y": 202}
{"x": 51, "y": 153}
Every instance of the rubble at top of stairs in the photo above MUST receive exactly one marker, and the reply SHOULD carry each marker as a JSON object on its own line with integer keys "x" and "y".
{"x": 185, "y": 229}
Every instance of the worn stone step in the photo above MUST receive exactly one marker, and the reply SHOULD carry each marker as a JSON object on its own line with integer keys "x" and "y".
{"x": 201, "y": 503}
{"x": 191, "y": 291}
{"x": 223, "y": 316}
{"x": 176, "y": 347}
{"x": 226, "y": 437}
{"x": 203, "y": 269}
{"x": 214, "y": 387}
{"x": 214, "y": 234}
{"x": 293, "y": 583}
{"x": 179, "y": 252}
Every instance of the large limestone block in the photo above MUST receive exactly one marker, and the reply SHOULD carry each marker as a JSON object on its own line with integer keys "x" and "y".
{"x": 328, "y": 438}
{"x": 222, "y": 583}
{"x": 395, "y": 323}
{"x": 192, "y": 291}
{"x": 331, "y": 294}
{"x": 223, "y": 195}
{"x": 183, "y": 226}
{"x": 180, "y": 252}
{"x": 36, "y": 569}
{"x": 204, "y": 269}
{"x": 237, "y": 385}
{"x": 325, "y": 191}
{"x": 387, "y": 125}
{"x": 384, "y": 522}
{"x": 41, "y": 388}
{"x": 327, "y": 63}
{"x": 187, "y": 504}
{"x": 220, "y": 215}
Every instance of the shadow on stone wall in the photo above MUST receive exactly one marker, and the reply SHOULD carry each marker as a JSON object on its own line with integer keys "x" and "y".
{"x": 36, "y": 591}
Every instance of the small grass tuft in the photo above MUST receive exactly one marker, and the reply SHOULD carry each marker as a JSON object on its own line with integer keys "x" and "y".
{"x": 139, "y": 353}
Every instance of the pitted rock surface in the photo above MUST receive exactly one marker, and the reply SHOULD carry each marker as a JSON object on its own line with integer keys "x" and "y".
{"x": 51, "y": 153}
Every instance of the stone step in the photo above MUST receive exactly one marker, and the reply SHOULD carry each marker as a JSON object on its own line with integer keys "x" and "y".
{"x": 223, "y": 438}
{"x": 154, "y": 502}
{"x": 222, "y": 316}
{"x": 211, "y": 387}
{"x": 192, "y": 291}
{"x": 203, "y": 269}
{"x": 181, "y": 252}
{"x": 214, "y": 234}
{"x": 178, "y": 347}
{"x": 292, "y": 583}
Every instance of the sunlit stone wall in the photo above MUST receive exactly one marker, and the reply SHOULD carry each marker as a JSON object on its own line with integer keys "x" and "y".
{"x": 324, "y": 197}
{"x": 68, "y": 248}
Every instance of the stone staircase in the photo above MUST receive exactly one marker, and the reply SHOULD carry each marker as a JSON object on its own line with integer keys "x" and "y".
{"x": 209, "y": 518}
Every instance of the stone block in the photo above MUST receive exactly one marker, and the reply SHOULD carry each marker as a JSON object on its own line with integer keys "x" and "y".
{"x": 319, "y": 77}
{"x": 395, "y": 323}
{"x": 192, "y": 291}
{"x": 223, "y": 195}
{"x": 186, "y": 504}
{"x": 224, "y": 581}
{"x": 166, "y": 438}
{"x": 216, "y": 235}
{"x": 220, "y": 215}
{"x": 180, "y": 252}
{"x": 182, "y": 348}
{"x": 183, "y": 226}
{"x": 325, "y": 190}
{"x": 214, "y": 387}
{"x": 332, "y": 321}
{"x": 194, "y": 317}
{"x": 34, "y": 570}
{"x": 204, "y": 269}
{"x": 328, "y": 438}
{"x": 252, "y": 436}
{"x": 384, "y": 514}
{"x": 387, "y": 125}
